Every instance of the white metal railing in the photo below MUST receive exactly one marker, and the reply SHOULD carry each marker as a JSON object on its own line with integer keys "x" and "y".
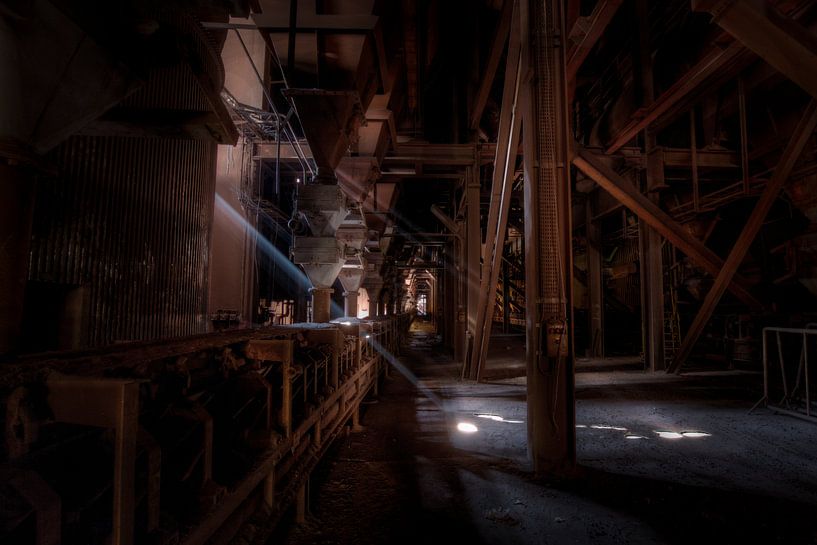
{"x": 796, "y": 400}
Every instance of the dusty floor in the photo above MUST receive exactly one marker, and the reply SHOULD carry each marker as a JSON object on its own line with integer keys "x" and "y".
{"x": 411, "y": 477}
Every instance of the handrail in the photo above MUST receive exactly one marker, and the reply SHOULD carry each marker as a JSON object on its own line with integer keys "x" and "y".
{"x": 788, "y": 403}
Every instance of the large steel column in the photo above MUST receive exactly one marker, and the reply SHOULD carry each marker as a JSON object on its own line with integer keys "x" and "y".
{"x": 16, "y": 212}
{"x": 652, "y": 270}
{"x": 650, "y": 241}
{"x": 652, "y": 296}
{"x": 461, "y": 285}
{"x": 548, "y": 260}
{"x": 595, "y": 281}
{"x": 450, "y": 297}
{"x": 473, "y": 252}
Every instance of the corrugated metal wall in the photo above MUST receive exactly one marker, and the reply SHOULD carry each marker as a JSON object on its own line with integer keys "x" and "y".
{"x": 129, "y": 220}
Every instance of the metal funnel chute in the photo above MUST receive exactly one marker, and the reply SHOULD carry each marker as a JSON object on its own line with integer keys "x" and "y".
{"x": 351, "y": 278}
{"x": 323, "y": 208}
{"x": 330, "y": 120}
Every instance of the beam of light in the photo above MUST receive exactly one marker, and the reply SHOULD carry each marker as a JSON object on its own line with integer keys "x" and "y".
{"x": 581, "y": 426}
{"x": 467, "y": 427}
{"x": 290, "y": 269}
{"x": 403, "y": 370}
{"x": 497, "y": 418}
{"x": 696, "y": 434}
{"x": 669, "y": 434}
{"x": 606, "y": 427}
{"x": 631, "y": 436}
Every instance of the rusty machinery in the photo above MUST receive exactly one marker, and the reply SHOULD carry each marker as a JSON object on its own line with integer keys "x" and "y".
{"x": 180, "y": 441}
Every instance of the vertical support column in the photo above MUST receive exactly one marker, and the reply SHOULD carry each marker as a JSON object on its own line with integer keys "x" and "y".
{"x": 595, "y": 280}
{"x": 321, "y": 305}
{"x": 124, "y": 502}
{"x": 473, "y": 252}
{"x": 548, "y": 234}
{"x": 449, "y": 297}
{"x": 300, "y": 504}
{"x": 652, "y": 296}
{"x": 350, "y": 303}
{"x": 461, "y": 285}
{"x": 286, "y": 401}
{"x": 17, "y": 185}
{"x": 506, "y": 296}
{"x": 269, "y": 489}
{"x": 650, "y": 242}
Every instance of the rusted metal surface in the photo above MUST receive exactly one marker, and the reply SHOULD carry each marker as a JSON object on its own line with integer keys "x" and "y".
{"x": 127, "y": 221}
{"x": 659, "y": 220}
{"x": 586, "y": 32}
{"x": 510, "y": 125}
{"x": 779, "y": 40}
{"x": 548, "y": 247}
{"x": 800, "y": 137}
{"x": 223, "y": 423}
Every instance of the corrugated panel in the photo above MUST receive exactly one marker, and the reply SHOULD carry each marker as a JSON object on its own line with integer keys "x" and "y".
{"x": 129, "y": 220}
{"x": 169, "y": 88}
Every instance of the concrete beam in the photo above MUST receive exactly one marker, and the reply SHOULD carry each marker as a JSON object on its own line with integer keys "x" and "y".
{"x": 548, "y": 241}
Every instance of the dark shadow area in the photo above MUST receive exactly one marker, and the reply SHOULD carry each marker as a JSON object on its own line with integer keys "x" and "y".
{"x": 409, "y": 477}
{"x": 684, "y": 514}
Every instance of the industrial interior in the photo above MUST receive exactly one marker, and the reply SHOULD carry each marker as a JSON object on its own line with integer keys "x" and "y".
{"x": 408, "y": 271}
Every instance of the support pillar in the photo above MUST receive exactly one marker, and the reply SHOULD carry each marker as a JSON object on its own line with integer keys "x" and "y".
{"x": 461, "y": 286}
{"x": 652, "y": 296}
{"x": 506, "y": 296}
{"x": 269, "y": 489}
{"x": 548, "y": 241}
{"x": 650, "y": 242}
{"x": 350, "y": 303}
{"x": 595, "y": 282}
{"x": 300, "y": 504}
{"x": 473, "y": 253}
{"x": 449, "y": 299}
{"x": 321, "y": 305}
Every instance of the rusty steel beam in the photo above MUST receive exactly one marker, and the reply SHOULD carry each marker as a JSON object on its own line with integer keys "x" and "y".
{"x": 801, "y": 135}
{"x": 682, "y": 158}
{"x": 651, "y": 213}
{"x": 494, "y": 56}
{"x": 590, "y": 30}
{"x": 782, "y": 42}
{"x": 510, "y": 123}
{"x": 710, "y": 65}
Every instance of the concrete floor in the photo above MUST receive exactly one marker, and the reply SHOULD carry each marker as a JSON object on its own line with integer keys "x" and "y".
{"x": 411, "y": 477}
